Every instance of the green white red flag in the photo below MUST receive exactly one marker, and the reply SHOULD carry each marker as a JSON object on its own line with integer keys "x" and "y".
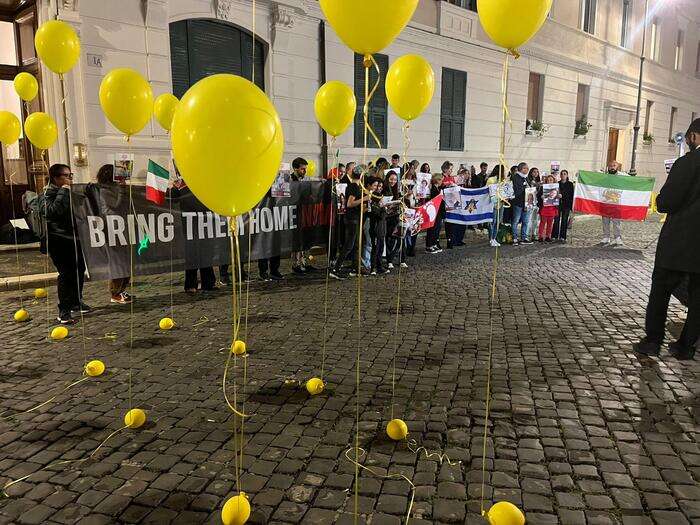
{"x": 617, "y": 196}
{"x": 156, "y": 183}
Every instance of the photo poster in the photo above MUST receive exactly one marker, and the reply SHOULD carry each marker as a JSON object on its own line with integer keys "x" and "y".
{"x": 551, "y": 194}
{"x": 555, "y": 167}
{"x": 178, "y": 181}
{"x": 423, "y": 185}
{"x": 340, "y": 190}
{"x": 506, "y": 191}
{"x": 530, "y": 198}
{"x": 411, "y": 221}
{"x": 668, "y": 164}
{"x": 453, "y": 198}
{"x": 123, "y": 167}
{"x": 282, "y": 187}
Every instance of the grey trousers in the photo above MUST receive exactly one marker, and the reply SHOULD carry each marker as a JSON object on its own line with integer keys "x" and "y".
{"x": 616, "y": 233}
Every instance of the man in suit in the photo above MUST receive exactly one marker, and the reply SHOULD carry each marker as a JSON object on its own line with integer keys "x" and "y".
{"x": 677, "y": 254}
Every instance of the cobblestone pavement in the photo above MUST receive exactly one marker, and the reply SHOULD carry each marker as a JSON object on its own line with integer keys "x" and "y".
{"x": 581, "y": 429}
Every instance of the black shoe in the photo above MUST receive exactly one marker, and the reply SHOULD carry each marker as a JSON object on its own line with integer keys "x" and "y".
{"x": 82, "y": 308}
{"x": 265, "y": 277}
{"x": 298, "y": 270}
{"x": 680, "y": 351}
{"x": 647, "y": 348}
{"x": 459, "y": 244}
{"x": 526, "y": 241}
{"x": 65, "y": 318}
{"x": 336, "y": 274}
{"x": 276, "y": 276}
{"x": 310, "y": 269}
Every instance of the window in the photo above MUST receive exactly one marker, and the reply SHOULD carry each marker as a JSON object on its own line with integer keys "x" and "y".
{"x": 654, "y": 41}
{"x": 582, "y": 102}
{"x": 201, "y": 47}
{"x": 648, "y": 124}
{"x": 535, "y": 97}
{"x": 678, "y": 61}
{"x": 453, "y": 106}
{"x": 466, "y": 4}
{"x": 377, "y": 115}
{"x": 588, "y": 12}
{"x": 672, "y": 124}
{"x": 626, "y": 18}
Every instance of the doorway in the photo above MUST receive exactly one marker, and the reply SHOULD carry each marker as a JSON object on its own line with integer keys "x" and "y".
{"x": 613, "y": 141}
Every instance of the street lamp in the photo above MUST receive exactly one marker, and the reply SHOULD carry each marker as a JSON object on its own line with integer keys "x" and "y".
{"x": 642, "y": 58}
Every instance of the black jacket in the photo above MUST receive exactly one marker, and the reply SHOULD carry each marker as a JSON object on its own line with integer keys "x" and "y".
{"x": 679, "y": 241}
{"x": 519, "y": 185}
{"x": 59, "y": 220}
{"x": 567, "y": 195}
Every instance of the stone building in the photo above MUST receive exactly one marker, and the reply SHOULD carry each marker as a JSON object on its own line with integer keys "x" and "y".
{"x": 582, "y": 67}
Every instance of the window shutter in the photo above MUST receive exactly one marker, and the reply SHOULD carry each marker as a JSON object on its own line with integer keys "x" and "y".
{"x": 377, "y": 111}
{"x": 179, "y": 62}
{"x": 453, "y": 106}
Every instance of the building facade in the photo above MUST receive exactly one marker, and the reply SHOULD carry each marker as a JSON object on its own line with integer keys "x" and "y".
{"x": 579, "y": 73}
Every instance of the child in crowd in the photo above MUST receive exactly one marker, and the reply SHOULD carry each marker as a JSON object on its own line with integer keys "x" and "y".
{"x": 432, "y": 238}
{"x": 548, "y": 211}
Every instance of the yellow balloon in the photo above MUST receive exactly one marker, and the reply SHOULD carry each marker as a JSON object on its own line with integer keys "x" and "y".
{"x": 227, "y": 142}
{"x": 335, "y": 107}
{"x": 511, "y": 23}
{"x": 396, "y": 429}
{"x": 387, "y": 18}
{"x": 135, "y": 418}
{"x": 238, "y": 347}
{"x": 505, "y": 513}
{"x": 311, "y": 169}
{"x": 40, "y": 293}
{"x": 57, "y": 45}
{"x": 41, "y": 130}
{"x": 9, "y": 128}
{"x": 166, "y": 323}
{"x": 127, "y": 100}
{"x": 410, "y": 85}
{"x": 26, "y": 86}
{"x": 164, "y": 110}
{"x": 236, "y": 510}
{"x": 95, "y": 368}
{"x": 58, "y": 333}
{"x": 314, "y": 386}
{"x": 21, "y": 315}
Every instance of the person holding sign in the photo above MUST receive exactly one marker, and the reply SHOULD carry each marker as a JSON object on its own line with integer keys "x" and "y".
{"x": 677, "y": 254}
{"x": 548, "y": 198}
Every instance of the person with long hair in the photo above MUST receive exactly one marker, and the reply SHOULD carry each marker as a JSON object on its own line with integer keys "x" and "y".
{"x": 432, "y": 237}
{"x": 561, "y": 223}
{"x": 393, "y": 243}
{"x": 547, "y": 212}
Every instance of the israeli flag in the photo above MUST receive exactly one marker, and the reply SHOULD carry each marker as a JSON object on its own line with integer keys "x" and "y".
{"x": 467, "y": 206}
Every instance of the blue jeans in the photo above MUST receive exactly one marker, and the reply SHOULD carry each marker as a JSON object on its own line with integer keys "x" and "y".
{"x": 497, "y": 221}
{"x": 367, "y": 248}
{"x": 521, "y": 215}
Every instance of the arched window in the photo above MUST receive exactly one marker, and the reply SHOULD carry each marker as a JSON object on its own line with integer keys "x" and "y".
{"x": 201, "y": 47}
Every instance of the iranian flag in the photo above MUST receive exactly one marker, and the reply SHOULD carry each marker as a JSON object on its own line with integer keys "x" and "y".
{"x": 617, "y": 196}
{"x": 156, "y": 183}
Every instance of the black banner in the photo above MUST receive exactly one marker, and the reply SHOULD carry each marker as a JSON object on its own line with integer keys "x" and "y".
{"x": 117, "y": 225}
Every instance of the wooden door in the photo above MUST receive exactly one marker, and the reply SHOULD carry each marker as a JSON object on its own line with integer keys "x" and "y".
{"x": 613, "y": 137}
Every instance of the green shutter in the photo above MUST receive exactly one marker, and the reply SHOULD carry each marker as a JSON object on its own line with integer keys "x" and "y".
{"x": 377, "y": 111}
{"x": 453, "y": 105}
{"x": 179, "y": 58}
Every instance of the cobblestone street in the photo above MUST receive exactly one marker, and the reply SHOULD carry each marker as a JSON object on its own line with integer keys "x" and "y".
{"x": 582, "y": 431}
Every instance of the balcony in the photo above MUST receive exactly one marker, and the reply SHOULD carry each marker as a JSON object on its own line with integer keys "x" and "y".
{"x": 456, "y": 22}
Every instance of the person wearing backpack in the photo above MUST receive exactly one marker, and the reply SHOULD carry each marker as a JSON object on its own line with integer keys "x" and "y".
{"x": 63, "y": 245}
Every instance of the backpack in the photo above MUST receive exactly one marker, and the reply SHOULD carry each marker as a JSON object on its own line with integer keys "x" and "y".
{"x": 33, "y": 209}
{"x": 505, "y": 234}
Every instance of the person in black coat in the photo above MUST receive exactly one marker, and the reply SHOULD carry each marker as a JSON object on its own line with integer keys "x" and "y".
{"x": 677, "y": 254}
{"x": 566, "y": 204}
{"x": 63, "y": 245}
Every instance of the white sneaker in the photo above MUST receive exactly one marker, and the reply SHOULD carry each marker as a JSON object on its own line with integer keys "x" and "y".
{"x": 618, "y": 241}
{"x": 390, "y": 266}
{"x": 495, "y": 243}
{"x": 606, "y": 240}
{"x": 404, "y": 265}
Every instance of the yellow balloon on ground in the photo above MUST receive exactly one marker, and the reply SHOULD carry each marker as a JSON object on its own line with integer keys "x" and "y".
{"x": 311, "y": 169}
{"x": 9, "y": 128}
{"x": 511, "y": 23}
{"x": 505, "y": 513}
{"x": 127, "y": 100}
{"x": 335, "y": 106}
{"x": 26, "y": 86}
{"x": 57, "y": 45}
{"x": 238, "y": 347}
{"x": 227, "y": 142}
{"x": 135, "y": 418}
{"x": 41, "y": 130}
{"x": 21, "y": 315}
{"x": 236, "y": 510}
{"x": 315, "y": 386}
{"x": 40, "y": 293}
{"x": 95, "y": 368}
{"x": 396, "y": 429}
{"x": 386, "y": 17}
{"x": 164, "y": 110}
{"x": 58, "y": 333}
{"x": 410, "y": 85}
{"x": 166, "y": 323}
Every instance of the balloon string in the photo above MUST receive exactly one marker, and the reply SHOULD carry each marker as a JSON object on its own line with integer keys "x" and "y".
{"x": 52, "y": 398}
{"x": 328, "y": 266}
{"x": 172, "y": 302}
{"x": 412, "y": 445}
{"x": 131, "y": 281}
{"x": 63, "y": 462}
{"x": 355, "y": 461}
{"x": 494, "y": 282}
{"x": 368, "y": 62}
{"x": 14, "y": 216}
{"x": 46, "y": 258}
